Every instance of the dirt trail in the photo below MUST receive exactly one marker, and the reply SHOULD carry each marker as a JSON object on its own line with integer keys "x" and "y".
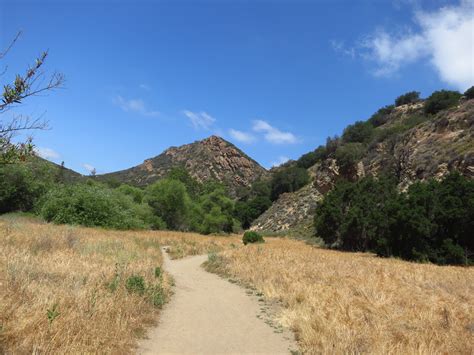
{"x": 209, "y": 315}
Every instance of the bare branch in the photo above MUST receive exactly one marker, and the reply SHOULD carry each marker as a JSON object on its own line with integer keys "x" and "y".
{"x": 12, "y": 43}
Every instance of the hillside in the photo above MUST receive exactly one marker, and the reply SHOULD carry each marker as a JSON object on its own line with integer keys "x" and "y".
{"x": 212, "y": 158}
{"x": 409, "y": 146}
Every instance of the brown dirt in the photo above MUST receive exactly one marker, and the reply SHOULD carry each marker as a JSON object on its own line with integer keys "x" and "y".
{"x": 209, "y": 315}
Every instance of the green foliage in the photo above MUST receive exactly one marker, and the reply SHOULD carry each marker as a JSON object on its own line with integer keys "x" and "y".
{"x": 52, "y": 313}
{"x": 347, "y": 156}
{"x": 469, "y": 93}
{"x": 170, "y": 201}
{"x": 156, "y": 296}
{"x": 288, "y": 179}
{"x": 92, "y": 204}
{"x": 22, "y": 185}
{"x": 441, "y": 100}
{"x": 408, "y": 98}
{"x": 432, "y": 221}
{"x": 247, "y": 211}
{"x": 193, "y": 187}
{"x": 158, "y": 272}
{"x": 381, "y": 116}
{"x": 359, "y": 132}
{"x": 135, "y": 193}
{"x": 217, "y": 212}
{"x": 252, "y": 237}
{"x": 309, "y": 159}
{"x": 135, "y": 284}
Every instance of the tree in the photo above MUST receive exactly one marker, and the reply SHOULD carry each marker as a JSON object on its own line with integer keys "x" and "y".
{"x": 288, "y": 179}
{"x": 347, "y": 156}
{"x": 469, "y": 93}
{"x": 31, "y": 83}
{"x": 359, "y": 132}
{"x": 170, "y": 201}
{"x": 407, "y": 98}
{"x": 441, "y": 100}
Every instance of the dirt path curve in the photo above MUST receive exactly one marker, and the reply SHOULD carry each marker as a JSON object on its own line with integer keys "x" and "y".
{"x": 209, "y": 315}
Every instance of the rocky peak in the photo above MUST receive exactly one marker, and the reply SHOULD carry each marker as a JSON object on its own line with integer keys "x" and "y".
{"x": 212, "y": 158}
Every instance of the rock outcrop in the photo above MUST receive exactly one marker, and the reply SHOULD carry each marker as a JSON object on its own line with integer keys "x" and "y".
{"x": 212, "y": 158}
{"x": 431, "y": 148}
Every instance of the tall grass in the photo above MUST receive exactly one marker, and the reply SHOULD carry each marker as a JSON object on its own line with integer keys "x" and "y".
{"x": 80, "y": 290}
{"x": 357, "y": 303}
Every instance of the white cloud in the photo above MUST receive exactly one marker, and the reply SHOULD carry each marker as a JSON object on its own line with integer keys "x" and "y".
{"x": 145, "y": 87}
{"x": 272, "y": 134}
{"x": 200, "y": 120}
{"x": 134, "y": 105}
{"x": 88, "y": 167}
{"x": 240, "y": 136}
{"x": 47, "y": 153}
{"x": 445, "y": 37}
{"x": 280, "y": 160}
{"x": 340, "y": 47}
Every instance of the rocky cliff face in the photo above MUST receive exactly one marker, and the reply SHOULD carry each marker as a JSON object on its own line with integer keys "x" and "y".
{"x": 210, "y": 159}
{"x": 432, "y": 148}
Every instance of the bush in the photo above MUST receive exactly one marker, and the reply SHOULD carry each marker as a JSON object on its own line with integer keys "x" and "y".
{"x": 134, "y": 192}
{"x": 381, "y": 116}
{"x": 441, "y": 100}
{"x": 170, "y": 201}
{"x": 347, "y": 156}
{"x": 432, "y": 221}
{"x": 92, "y": 205}
{"x": 359, "y": 132}
{"x": 22, "y": 185}
{"x": 135, "y": 284}
{"x": 408, "y": 98}
{"x": 309, "y": 159}
{"x": 469, "y": 93}
{"x": 288, "y": 179}
{"x": 252, "y": 237}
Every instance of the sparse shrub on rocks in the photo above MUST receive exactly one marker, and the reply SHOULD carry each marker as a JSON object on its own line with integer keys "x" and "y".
{"x": 441, "y": 100}
{"x": 252, "y": 237}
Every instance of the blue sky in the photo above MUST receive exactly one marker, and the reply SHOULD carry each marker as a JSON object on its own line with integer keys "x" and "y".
{"x": 274, "y": 77}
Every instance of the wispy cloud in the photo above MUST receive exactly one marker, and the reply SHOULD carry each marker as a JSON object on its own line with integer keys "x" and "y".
{"x": 273, "y": 134}
{"x": 200, "y": 120}
{"x": 280, "y": 160}
{"x": 88, "y": 167}
{"x": 443, "y": 37}
{"x": 241, "y": 136}
{"x": 145, "y": 87}
{"x": 340, "y": 47}
{"x": 134, "y": 106}
{"x": 47, "y": 153}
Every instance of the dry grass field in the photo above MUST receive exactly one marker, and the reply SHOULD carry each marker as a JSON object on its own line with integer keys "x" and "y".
{"x": 341, "y": 303}
{"x": 64, "y": 289}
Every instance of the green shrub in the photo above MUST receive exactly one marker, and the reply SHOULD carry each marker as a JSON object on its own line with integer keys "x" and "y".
{"x": 309, "y": 159}
{"x": 441, "y": 100}
{"x": 134, "y": 192}
{"x": 288, "y": 179}
{"x": 92, "y": 205}
{"x": 359, "y": 132}
{"x": 158, "y": 272}
{"x": 22, "y": 185}
{"x": 170, "y": 201}
{"x": 252, "y": 237}
{"x": 347, "y": 156}
{"x": 432, "y": 221}
{"x": 156, "y": 296}
{"x": 469, "y": 93}
{"x": 408, "y": 98}
{"x": 135, "y": 284}
{"x": 381, "y": 116}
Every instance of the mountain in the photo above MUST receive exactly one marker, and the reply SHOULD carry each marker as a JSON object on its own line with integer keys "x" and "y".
{"x": 409, "y": 146}
{"x": 212, "y": 158}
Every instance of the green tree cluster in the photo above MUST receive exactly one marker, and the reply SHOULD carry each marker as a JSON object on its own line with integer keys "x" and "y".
{"x": 432, "y": 221}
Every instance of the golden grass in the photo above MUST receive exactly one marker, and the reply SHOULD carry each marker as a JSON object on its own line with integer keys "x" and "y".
{"x": 357, "y": 303}
{"x": 62, "y": 288}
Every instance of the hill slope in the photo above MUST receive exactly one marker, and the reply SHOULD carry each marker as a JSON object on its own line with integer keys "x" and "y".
{"x": 212, "y": 158}
{"x": 408, "y": 146}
